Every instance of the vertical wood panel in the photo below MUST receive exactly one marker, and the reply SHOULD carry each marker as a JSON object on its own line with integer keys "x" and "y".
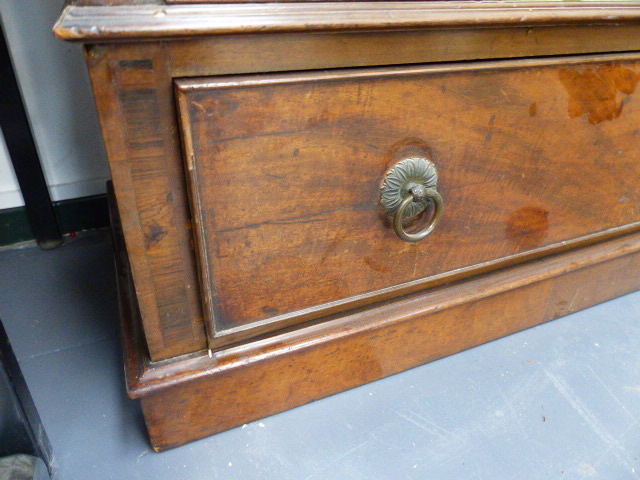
{"x": 133, "y": 93}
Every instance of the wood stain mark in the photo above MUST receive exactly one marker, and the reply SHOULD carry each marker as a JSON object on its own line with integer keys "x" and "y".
{"x": 527, "y": 227}
{"x": 271, "y": 311}
{"x": 250, "y": 137}
{"x": 595, "y": 92}
{"x": 142, "y": 64}
{"x": 375, "y": 265}
{"x": 533, "y": 109}
{"x": 273, "y": 222}
{"x": 310, "y": 218}
{"x": 153, "y": 234}
{"x": 488, "y": 137}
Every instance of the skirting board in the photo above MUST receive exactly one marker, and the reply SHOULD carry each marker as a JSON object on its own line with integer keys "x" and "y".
{"x": 197, "y": 395}
{"x": 74, "y": 215}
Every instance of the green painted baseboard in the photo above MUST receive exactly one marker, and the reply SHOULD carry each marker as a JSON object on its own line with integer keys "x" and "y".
{"x": 74, "y": 215}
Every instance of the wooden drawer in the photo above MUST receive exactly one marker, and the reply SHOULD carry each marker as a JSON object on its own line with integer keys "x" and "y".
{"x": 284, "y": 170}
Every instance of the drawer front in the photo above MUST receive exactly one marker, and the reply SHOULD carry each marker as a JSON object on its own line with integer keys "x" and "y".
{"x": 285, "y": 172}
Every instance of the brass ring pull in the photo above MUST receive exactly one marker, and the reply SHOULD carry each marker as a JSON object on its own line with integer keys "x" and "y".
{"x": 418, "y": 193}
{"x": 408, "y": 189}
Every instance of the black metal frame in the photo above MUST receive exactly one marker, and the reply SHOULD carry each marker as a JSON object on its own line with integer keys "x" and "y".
{"x": 24, "y": 155}
{"x": 21, "y": 430}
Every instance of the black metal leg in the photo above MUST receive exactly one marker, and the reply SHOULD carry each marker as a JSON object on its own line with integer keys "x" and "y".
{"x": 24, "y": 156}
{"x": 21, "y": 430}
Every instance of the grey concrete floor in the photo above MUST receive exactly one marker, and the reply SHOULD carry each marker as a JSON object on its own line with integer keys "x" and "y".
{"x": 559, "y": 401}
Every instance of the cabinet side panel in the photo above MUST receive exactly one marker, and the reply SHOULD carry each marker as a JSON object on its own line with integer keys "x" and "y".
{"x": 132, "y": 88}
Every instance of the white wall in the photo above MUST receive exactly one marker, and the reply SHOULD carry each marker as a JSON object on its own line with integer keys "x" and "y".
{"x": 10, "y": 195}
{"x": 56, "y": 91}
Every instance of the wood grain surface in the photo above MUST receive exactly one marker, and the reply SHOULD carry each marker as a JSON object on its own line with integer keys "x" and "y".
{"x": 132, "y": 21}
{"x": 306, "y": 289}
{"x": 231, "y": 54}
{"x": 198, "y": 396}
{"x": 135, "y": 106}
{"x": 533, "y": 157}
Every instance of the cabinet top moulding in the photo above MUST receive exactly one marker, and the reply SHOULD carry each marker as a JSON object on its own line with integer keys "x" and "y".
{"x": 149, "y": 21}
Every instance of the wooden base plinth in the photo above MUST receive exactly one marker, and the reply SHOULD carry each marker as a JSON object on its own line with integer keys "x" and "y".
{"x": 190, "y": 397}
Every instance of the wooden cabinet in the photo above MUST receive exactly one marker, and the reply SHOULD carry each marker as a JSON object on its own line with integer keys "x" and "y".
{"x": 249, "y": 147}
